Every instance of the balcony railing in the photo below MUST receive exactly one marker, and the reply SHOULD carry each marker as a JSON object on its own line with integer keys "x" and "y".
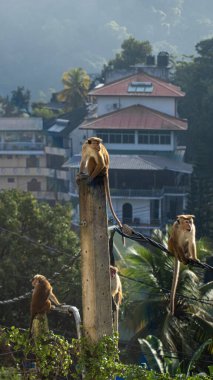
{"x": 143, "y": 193}
{"x": 149, "y": 193}
{"x": 11, "y": 146}
{"x": 45, "y": 172}
{"x": 57, "y": 151}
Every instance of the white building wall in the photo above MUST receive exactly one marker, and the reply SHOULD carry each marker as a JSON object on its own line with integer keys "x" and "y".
{"x": 106, "y": 104}
{"x": 77, "y": 137}
{"x": 140, "y": 209}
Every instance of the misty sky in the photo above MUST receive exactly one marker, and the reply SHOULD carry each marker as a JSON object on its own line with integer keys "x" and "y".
{"x": 40, "y": 39}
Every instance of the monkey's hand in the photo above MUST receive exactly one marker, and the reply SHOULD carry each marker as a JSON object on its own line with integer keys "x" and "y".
{"x": 80, "y": 176}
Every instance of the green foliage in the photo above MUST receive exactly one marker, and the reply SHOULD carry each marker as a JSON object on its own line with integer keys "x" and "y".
{"x": 198, "y": 354}
{"x": 9, "y": 374}
{"x": 54, "y": 357}
{"x": 153, "y": 349}
{"x": 146, "y": 304}
{"x": 132, "y": 52}
{"x": 50, "y": 355}
{"x": 21, "y": 98}
{"x": 35, "y": 238}
{"x": 44, "y": 112}
{"x": 76, "y": 85}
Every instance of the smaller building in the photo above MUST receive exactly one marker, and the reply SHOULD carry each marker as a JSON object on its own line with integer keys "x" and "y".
{"x": 25, "y": 163}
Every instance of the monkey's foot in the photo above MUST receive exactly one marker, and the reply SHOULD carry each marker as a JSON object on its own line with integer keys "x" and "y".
{"x": 127, "y": 230}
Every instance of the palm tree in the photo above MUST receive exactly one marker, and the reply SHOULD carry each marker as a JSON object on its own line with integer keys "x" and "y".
{"x": 76, "y": 85}
{"x": 146, "y": 310}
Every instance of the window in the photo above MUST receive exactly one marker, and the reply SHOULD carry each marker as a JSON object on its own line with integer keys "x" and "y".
{"x": 32, "y": 162}
{"x": 127, "y": 213}
{"x": 114, "y": 137}
{"x": 10, "y": 180}
{"x": 34, "y": 185}
{"x": 18, "y": 136}
{"x": 104, "y": 136}
{"x": 38, "y": 137}
{"x": 129, "y": 138}
{"x": 154, "y": 138}
{"x": 146, "y": 87}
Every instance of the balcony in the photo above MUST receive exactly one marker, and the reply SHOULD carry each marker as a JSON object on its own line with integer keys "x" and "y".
{"x": 11, "y": 147}
{"x": 140, "y": 193}
{"x": 34, "y": 172}
{"x": 57, "y": 151}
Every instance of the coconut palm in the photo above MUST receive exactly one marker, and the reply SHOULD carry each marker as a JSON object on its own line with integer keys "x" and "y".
{"x": 146, "y": 311}
{"x": 76, "y": 85}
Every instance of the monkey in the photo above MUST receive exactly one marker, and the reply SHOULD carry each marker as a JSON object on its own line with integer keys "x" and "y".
{"x": 95, "y": 159}
{"x": 183, "y": 246}
{"x": 116, "y": 288}
{"x": 41, "y": 297}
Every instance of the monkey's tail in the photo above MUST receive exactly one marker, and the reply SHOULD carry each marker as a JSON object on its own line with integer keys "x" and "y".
{"x": 174, "y": 285}
{"x": 106, "y": 180}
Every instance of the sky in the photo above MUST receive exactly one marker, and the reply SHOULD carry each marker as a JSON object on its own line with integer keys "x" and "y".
{"x": 40, "y": 39}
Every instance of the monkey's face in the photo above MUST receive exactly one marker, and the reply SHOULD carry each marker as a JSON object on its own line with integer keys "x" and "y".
{"x": 37, "y": 279}
{"x": 94, "y": 143}
{"x": 113, "y": 272}
{"x": 186, "y": 224}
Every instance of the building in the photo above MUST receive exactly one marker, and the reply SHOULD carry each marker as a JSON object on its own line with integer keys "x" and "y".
{"x": 137, "y": 118}
{"x": 27, "y": 162}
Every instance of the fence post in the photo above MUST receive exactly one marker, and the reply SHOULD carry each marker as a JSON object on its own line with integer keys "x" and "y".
{"x": 96, "y": 294}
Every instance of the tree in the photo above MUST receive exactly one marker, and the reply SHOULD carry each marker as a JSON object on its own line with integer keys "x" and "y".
{"x": 132, "y": 52}
{"x": 76, "y": 85}
{"x": 35, "y": 238}
{"x": 146, "y": 311}
{"x": 196, "y": 78}
{"x": 21, "y": 99}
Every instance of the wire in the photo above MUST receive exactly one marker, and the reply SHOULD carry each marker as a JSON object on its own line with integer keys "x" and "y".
{"x": 27, "y": 238}
{"x": 168, "y": 291}
{"x": 64, "y": 268}
{"x": 137, "y": 236}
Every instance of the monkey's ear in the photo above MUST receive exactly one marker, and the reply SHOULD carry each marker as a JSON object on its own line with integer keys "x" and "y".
{"x": 178, "y": 219}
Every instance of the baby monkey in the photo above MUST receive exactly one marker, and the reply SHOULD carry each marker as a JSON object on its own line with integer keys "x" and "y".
{"x": 95, "y": 160}
{"x": 41, "y": 297}
{"x": 183, "y": 246}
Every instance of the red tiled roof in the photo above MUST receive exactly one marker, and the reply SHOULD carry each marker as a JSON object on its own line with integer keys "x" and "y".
{"x": 120, "y": 87}
{"x": 136, "y": 117}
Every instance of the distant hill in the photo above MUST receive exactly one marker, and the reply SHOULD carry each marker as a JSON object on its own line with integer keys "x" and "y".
{"x": 39, "y": 40}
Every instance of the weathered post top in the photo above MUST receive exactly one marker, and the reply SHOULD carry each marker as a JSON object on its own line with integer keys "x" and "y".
{"x": 96, "y": 294}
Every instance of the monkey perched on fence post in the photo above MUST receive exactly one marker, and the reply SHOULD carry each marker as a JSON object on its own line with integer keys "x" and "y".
{"x": 95, "y": 159}
{"x": 183, "y": 246}
{"x": 41, "y": 301}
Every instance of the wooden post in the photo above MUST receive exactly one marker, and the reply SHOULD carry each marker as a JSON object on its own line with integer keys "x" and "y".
{"x": 96, "y": 294}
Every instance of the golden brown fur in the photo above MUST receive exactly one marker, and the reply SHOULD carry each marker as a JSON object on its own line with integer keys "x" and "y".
{"x": 183, "y": 246}
{"x": 41, "y": 297}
